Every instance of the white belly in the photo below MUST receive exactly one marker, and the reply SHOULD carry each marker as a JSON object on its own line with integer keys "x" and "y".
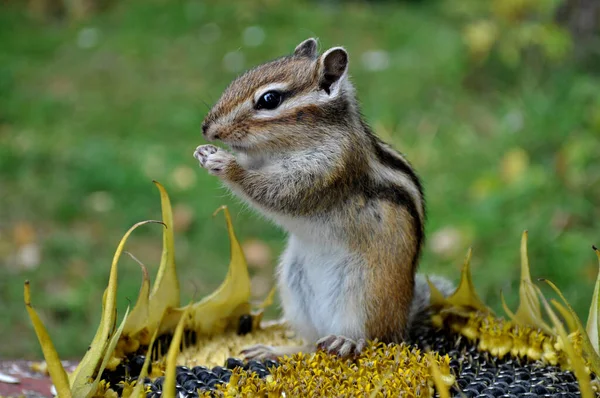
{"x": 322, "y": 290}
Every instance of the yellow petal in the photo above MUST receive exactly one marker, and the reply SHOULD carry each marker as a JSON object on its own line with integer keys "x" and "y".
{"x": 55, "y": 368}
{"x": 89, "y": 363}
{"x": 165, "y": 293}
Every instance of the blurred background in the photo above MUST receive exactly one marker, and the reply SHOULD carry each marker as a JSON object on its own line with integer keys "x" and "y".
{"x": 496, "y": 103}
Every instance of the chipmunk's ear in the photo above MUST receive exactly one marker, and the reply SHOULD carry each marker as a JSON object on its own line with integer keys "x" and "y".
{"x": 334, "y": 64}
{"x": 308, "y": 48}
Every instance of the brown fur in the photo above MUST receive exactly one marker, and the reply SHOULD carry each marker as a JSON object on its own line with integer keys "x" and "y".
{"x": 296, "y": 70}
{"x": 381, "y": 219}
{"x": 391, "y": 277}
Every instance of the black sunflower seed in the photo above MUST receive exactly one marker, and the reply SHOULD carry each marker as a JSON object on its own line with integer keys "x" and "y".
{"x": 270, "y": 363}
{"x": 232, "y": 363}
{"x": 192, "y": 385}
{"x": 183, "y": 376}
{"x": 219, "y": 371}
{"x": 198, "y": 370}
{"x": 494, "y": 391}
{"x": 244, "y": 324}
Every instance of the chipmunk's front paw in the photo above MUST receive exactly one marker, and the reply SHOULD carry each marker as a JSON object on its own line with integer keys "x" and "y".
{"x": 341, "y": 346}
{"x": 213, "y": 159}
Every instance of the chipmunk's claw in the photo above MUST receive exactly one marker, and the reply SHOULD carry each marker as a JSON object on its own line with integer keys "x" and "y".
{"x": 259, "y": 352}
{"x": 203, "y": 151}
{"x": 341, "y": 346}
{"x": 213, "y": 159}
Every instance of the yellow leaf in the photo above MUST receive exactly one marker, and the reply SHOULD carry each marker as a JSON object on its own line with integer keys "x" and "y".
{"x": 465, "y": 295}
{"x": 214, "y": 313}
{"x": 165, "y": 293}
{"x": 436, "y": 298}
{"x": 588, "y": 348}
{"x": 268, "y": 301}
{"x": 232, "y": 298}
{"x": 507, "y": 310}
{"x": 88, "y": 365}
{"x": 55, "y": 368}
{"x": 139, "y": 386}
{"x": 258, "y": 315}
{"x": 89, "y": 390}
{"x": 139, "y": 315}
{"x": 568, "y": 318}
{"x": 529, "y": 312}
{"x": 169, "y": 383}
{"x": 576, "y": 361}
{"x": 440, "y": 386}
{"x": 593, "y": 321}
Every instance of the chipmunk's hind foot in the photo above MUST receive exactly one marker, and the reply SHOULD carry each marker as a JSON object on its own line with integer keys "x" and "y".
{"x": 341, "y": 346}
{"x": 262, "y": 352}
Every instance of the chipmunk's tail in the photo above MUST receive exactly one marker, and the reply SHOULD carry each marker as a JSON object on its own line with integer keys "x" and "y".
{"x": 419, "y": 309}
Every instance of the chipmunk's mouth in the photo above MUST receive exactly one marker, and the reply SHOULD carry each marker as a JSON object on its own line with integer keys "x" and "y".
{"x": 238, "y": 147}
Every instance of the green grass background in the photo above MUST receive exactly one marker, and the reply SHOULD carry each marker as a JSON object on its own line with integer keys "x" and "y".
{"x": 92, "y": 111}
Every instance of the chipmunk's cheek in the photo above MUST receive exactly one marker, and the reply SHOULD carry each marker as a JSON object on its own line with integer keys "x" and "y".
{"x": 228, "y": 134}
{"x": 234, "y": 134}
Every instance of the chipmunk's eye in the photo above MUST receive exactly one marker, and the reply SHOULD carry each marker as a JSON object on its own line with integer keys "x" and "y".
{"x": 269, "y": 100}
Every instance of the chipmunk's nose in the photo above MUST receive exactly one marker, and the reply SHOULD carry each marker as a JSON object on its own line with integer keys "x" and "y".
{"x": 204, "y": 128}
{"x": 210, "y": 132}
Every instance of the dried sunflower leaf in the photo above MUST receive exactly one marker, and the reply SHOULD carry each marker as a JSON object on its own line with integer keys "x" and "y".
{"x": 268, "y": 301}
{"x": 588, "y": 348}
{"x": 576, "y": 361}
{"x": 139, "y": 314}
{"x": 55, "y": 368}
{"x": 507, "y": 310}
{"x": 88, "y": 365}
{"x": 165, "y": 293}
{"x": 257, "y": 316}
{"x": 593, "y": 320}
{"x": 465, "y": 295}
{"x": 566, "y": 315}
{"x": 232, "y": 299}
{"x": 436, "y": 298}
{"x": 139, "y": 386}
{"x": 89, "y": 390}
{"x": 529, "y": 311}
{"x": 438, "y": 380}
{"x": 172, "y": 354}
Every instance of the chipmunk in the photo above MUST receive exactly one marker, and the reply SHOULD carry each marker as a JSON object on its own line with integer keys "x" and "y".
{"x": 352, "y": 206}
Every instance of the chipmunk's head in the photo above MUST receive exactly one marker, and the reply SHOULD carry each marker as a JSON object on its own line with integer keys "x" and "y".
{"x": 284, "y": 104}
